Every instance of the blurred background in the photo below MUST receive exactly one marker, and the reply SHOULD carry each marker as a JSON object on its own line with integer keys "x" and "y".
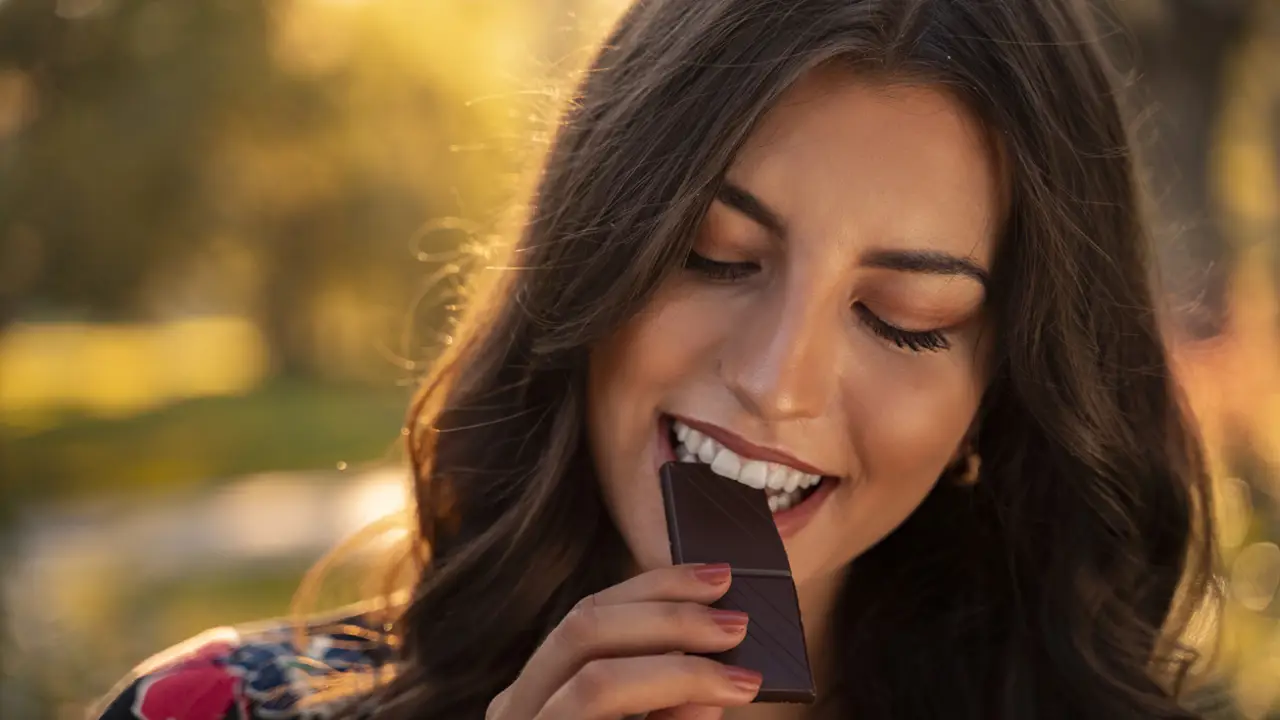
{"x": 230, "y": 236}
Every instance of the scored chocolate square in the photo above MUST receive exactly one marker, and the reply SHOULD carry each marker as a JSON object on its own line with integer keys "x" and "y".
{"x": 712, "y": 519}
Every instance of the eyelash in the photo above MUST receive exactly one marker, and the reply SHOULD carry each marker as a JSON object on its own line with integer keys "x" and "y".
{"x": 915, "y": 341}
{"x": 719, "y": 271}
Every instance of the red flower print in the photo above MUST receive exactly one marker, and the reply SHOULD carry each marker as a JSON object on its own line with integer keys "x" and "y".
{"x": 199, "y": 686}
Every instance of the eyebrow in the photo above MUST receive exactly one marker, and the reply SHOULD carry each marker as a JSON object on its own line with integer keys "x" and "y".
{"x": 929, "y": 262}
{"x": 751, "y": 206}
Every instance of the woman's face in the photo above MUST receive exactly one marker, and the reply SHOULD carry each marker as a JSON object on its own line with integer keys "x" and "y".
{"x": 827, "y": 329}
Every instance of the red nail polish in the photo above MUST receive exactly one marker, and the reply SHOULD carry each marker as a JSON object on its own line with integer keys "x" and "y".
{"x": 713, "y": 573}
{"x": 748, "y": 681}
{"x": 731, "y": 621}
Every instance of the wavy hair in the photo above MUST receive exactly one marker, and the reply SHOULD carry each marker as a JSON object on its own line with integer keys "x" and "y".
{"x": 1057, "y": 588}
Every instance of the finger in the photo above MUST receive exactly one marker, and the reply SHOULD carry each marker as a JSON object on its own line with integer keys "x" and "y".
{"x": 688, "y": 712}
{"x": 615, "y": 687}
{"x": 497, "y": 705}
{"x": 692, "y": 583}
{"x": 555, "y": 661}
{"x": 641, "y": 628}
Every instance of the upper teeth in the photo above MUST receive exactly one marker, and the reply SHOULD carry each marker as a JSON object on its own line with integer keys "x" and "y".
{"x": 726, "y": 463}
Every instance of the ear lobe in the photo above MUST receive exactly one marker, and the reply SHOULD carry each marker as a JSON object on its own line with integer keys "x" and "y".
{"x": 968, "y": 445}
{"x": 965, "y": 464}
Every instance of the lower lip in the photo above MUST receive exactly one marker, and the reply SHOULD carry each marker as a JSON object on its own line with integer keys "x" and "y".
{"x": 789, "y": 521}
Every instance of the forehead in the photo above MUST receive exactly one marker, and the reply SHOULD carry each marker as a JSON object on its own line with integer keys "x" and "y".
{"x": 873, "y": 164}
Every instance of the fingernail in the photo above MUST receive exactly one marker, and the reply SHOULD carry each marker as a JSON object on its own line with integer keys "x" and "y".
{"x": 748, "y": 681}
{"x": 713, "y": 573}
{"x": 731, "y": 621}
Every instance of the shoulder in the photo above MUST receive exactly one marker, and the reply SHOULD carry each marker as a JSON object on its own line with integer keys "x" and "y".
{"x": 271, "y": 671}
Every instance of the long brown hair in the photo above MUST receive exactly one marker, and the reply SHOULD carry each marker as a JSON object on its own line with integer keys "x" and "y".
{"x": 1047, "y": 591}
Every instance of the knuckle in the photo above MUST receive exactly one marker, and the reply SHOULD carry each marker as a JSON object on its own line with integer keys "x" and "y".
{"x": 590, "y": 687}
{"x": 579, "y": 629}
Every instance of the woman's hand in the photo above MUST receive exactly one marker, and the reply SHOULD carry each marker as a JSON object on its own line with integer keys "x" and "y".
{"x": 618, "y": 653}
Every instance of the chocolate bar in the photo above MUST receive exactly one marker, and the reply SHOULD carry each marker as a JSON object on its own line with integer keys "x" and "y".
{"x": 712, "y": 519}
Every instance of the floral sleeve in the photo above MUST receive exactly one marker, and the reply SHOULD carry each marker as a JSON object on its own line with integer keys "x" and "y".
{"x": 196, "y": 680}
{"x": 227, "y": 674}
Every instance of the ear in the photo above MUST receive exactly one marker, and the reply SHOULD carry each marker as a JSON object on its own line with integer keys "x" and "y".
{"x": 966, "y": 445}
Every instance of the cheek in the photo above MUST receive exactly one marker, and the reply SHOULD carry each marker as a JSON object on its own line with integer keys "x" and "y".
{"x": 655, "y": 352}
{"x": 656, "y": 356}
{"x": 663, "y": 348}
{"x": 913, "y": 412}
{"x": 645, "y": 362}
{"x": 905, "y": 422}
{"x": 914, "y": 429}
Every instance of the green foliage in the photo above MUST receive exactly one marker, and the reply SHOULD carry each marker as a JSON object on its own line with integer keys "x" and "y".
{"x": 283, "y": 426}
{"x": 128, "y": 104}
{"x": 268, "y": 159}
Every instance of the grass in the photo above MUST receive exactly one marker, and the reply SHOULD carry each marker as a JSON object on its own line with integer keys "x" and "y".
{"x": 284, "y": 425}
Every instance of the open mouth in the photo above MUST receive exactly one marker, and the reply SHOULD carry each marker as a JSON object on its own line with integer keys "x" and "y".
{"x": 786, "y": 487}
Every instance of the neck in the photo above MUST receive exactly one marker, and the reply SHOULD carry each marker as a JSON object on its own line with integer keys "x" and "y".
{"x": 817, "y": 603}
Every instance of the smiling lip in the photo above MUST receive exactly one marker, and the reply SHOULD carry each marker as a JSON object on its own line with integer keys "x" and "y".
{"x": 748, "y": 449}
{"x": 790, "y": 521}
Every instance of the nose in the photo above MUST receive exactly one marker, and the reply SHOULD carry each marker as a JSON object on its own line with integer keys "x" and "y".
{"x": 782, "y": 366}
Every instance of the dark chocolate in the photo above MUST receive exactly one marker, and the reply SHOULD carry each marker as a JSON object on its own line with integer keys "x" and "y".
{"x": 712, "y": 519}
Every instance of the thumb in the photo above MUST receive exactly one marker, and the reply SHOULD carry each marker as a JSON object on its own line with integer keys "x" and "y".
{"x": 688, "y": 712}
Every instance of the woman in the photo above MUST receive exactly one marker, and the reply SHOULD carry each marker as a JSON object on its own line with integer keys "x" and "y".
{"x": 885, "y": 254}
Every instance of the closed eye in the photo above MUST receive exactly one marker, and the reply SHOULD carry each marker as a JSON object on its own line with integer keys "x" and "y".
{"x": 913, "y": 340}
{"x": 718, "y": 270}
